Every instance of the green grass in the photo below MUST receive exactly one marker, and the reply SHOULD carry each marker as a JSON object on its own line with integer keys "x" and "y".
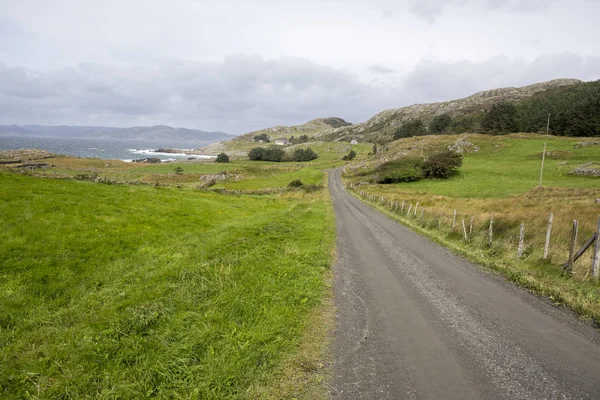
{"x": 273, "y": 177}
{"x": 513, "y": 168}
{"x": 115, "y": 291}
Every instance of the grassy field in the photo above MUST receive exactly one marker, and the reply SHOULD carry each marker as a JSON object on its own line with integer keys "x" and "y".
{"x": 500, "y": 180}
{"x": 120, "y": 291}
{"x": 242, "y": 174}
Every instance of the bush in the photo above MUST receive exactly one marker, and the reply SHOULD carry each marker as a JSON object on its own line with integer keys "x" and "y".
{"x": 440, "y": 123}
{"x": 302, "y": 155}
{"x": 411, "y": 128}
{"x": 263, "y": 136}
{"x": 401, "y": 170}
{"x": 296, "y": 183}
{"x": 222, "y": 158}
{"x": 256, "y": 154}
{"x": 179, "y": 171}
{"x": 350, "y": 156}
{"x": 442, "y": 165}
{"x": 272, "y": 153}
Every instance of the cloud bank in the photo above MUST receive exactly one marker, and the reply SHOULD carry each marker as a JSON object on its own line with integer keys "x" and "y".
{"x": 244, "y": 93}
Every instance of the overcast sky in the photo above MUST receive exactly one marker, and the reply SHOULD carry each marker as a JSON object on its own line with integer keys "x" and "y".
{"x": 238, "y": 66}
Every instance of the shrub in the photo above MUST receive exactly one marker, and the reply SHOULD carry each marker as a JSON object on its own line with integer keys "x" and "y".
{"x": 263, "y": 136}
{"x": 256, "y": 154}
{"x": 296, "y": 183}
{"x": 440, "y": 123}
{"x": 222, "y": 158}
{"x": 302, "y": 155}
{"x": 179, "y": 170}
{"x": 350, "y": 156}
{"x": 401, "y": 170}
{"x": 274, "y": 154}
{"x": 442, "y": 165}
{"x": 414, "y": 127}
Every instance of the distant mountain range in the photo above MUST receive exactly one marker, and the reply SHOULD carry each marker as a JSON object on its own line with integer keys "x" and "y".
{"x": 146, "y": 133}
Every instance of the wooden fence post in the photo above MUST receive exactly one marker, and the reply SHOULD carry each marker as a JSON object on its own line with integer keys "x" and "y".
{"x": 409, "y": 209}
{"x": 464, "y": 230}
{"x": 454, "y": 221}
{"x": 521, "y": 240}
{"x": 416, "y": 206}
{"x": 440, "y": 221}
{"x": 548, "y": 233}
{"x": 402, "y": 208}
{"x": 422, "y": 212}
{"x": 596, "y": 255}
{"x": 491, "y": 231}
{"x": 471, "y": 225}
{"x": 572, "y": 247}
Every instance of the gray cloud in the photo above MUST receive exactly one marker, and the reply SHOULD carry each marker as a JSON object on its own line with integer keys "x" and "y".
{"x": 244, "y": 93}
{"x": 429, "y": 10}
{"x": 380, "y": 69}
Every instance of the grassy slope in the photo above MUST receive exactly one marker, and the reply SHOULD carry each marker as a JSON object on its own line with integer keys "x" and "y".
{"x": 501, "y": 179}
{"x": 127, "y": 291}
{"x": 511, "y": 166}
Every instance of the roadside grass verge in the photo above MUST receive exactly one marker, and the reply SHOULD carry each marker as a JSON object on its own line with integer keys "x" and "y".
{"x": 117, "y": 291}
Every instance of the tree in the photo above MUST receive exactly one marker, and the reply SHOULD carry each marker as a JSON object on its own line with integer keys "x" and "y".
{"x": 256, "y": 154}
{"x": 501, "y": 118}
{"x": 302, "y": 155}
{"x": 222, "y": 158}
{"x": 263, "y": 136}
{"x": 440, "y": 123}
{"x": 350, "y": 156}
{"x": 274, "y": 153}
{"x": 442, "y": 165}
{"x": 411, "y": 128}
{"x": 179, "y": 170}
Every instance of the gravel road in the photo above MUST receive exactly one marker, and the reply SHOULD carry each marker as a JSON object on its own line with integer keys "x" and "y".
{"x": 415, "y": 321}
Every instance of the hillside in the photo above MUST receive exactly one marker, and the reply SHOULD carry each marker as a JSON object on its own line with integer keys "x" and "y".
{"x": 309, "y": 129}
{"x": 151, "y": 133}
{"x": 381, "y": 127}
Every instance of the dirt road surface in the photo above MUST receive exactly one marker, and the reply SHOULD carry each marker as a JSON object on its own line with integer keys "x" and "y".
{"x": 417, "y": 322}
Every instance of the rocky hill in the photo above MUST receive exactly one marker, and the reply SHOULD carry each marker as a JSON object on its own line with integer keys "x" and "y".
{"x": 381, "y": 127}
{"x": 309, "y": 129}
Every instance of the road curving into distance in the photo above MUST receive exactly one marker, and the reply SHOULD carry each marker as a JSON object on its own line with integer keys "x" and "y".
{"x": 417, "y": 322}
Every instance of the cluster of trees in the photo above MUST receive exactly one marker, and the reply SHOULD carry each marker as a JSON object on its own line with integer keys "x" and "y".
{"x": 273, "y": 153}
{"x": 302, "y": 155}
{"x": 262, "y": 137}
{"x": 277, "y": 154}
{"x": 299, "y": 140}
{"x": 442, "y": 165}
{"x": 574, "y": 111}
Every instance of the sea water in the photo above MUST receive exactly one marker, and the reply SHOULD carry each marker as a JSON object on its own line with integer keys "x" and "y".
{"x": 115, "y": 149}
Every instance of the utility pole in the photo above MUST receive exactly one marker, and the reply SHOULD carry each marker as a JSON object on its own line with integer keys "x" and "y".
{"x": 548, "y": 126}
{"x": 542, "y": 170}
